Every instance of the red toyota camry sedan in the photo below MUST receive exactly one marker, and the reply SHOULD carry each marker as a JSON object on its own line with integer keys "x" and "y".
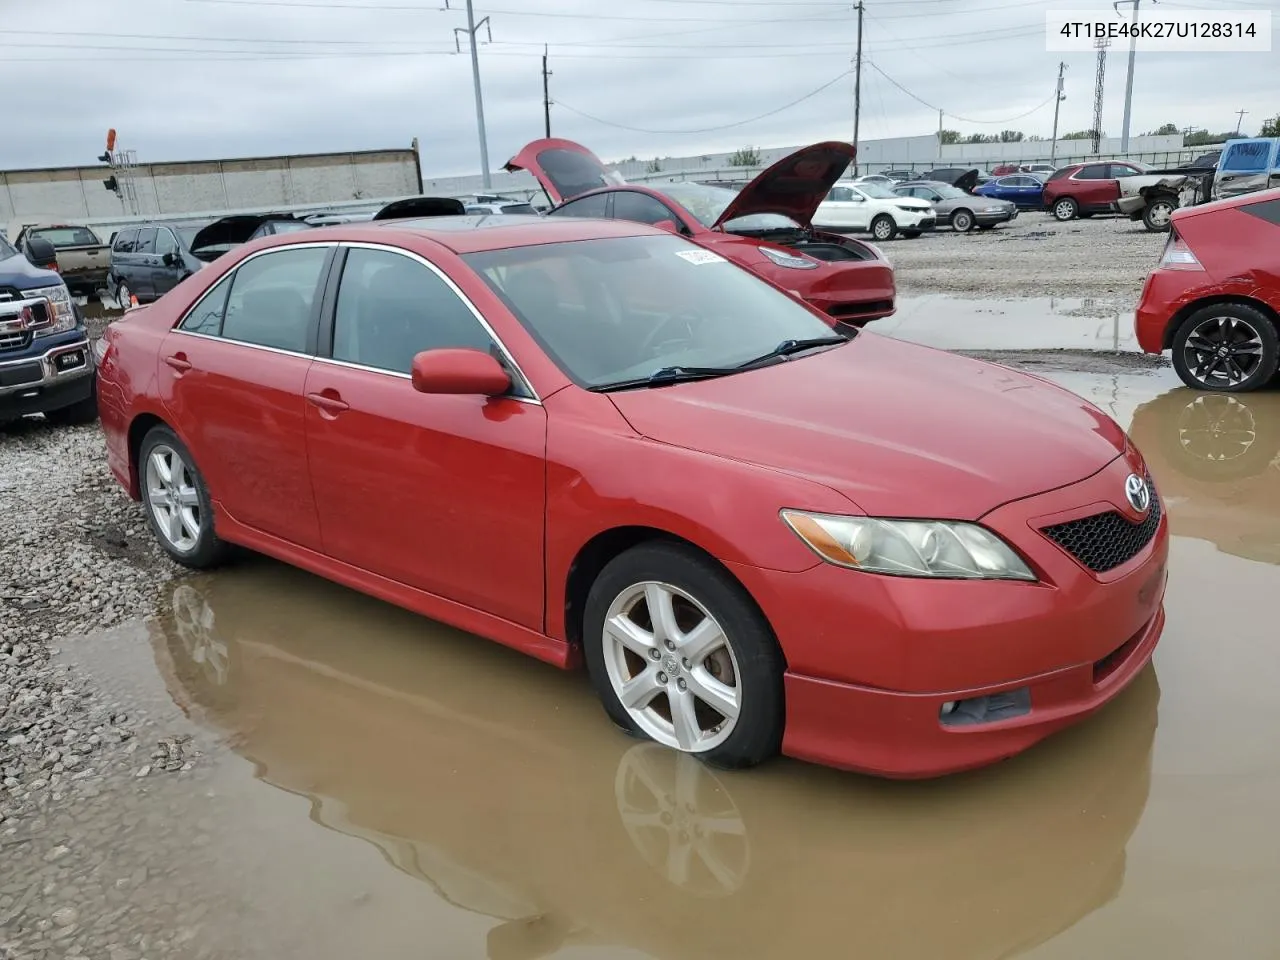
{"x": 1213, "y": 300}
{"x": 595, "y": 441}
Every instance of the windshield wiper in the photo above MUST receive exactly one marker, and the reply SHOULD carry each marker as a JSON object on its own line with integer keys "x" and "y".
{"x": 788, "y": 347}
{"x": 665, "y": 375}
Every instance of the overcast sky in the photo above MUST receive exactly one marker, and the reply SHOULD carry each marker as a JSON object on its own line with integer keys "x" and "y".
{"x": 192, "y": 79}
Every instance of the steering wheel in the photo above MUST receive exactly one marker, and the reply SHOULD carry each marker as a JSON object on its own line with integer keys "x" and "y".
{"x": 654, "y": 339}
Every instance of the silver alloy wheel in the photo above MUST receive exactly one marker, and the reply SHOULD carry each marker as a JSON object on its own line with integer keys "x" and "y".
{"x": 962, "y": 221}
{"x": 1064, "y": 210}
{"x": 1216, "y": 428}
{"x": 682, "y": 820}
{"x": 172, "y": 497}
{"x": 1222, "y": 351}
{"x": 672, "y": 667}
{"x": 1160, "y": 213}
{"x": 883, "y": 229}
{"x": 123, "y": 294}
{"x": 194, "y": 621}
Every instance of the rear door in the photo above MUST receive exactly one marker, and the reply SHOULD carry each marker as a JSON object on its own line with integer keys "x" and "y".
{"x": 1246, "y": 166}
{"x": 231, "y": 376}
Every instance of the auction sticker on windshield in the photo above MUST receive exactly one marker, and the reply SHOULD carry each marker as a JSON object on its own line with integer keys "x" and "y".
{"x": 700, "y": 256}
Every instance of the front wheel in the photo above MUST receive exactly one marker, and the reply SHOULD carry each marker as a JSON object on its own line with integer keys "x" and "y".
{"x": 883, "y": 228}
{"x": 1065, "y": 209}
{"x": 177, "y": 502}
{"x": 1226, "y": 348}
{"x": 962, "y": 221}
{"x": 1158, "y": 215}
{"x": 678, "y": 652}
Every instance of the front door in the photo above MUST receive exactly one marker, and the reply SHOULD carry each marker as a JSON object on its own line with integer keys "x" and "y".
{"x": 144, "y": 262}
{"x": 443, "y": 493}
{"x": 844, "y": 208}
{"x": 232, "y": 374}
{"x": 1095, "y": 187}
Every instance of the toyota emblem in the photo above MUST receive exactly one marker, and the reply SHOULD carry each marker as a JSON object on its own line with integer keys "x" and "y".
{"x": 1137, "y": 493}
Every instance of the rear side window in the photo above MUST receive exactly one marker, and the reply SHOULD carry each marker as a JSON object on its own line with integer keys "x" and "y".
{"x": 640, "y": 207}
{"x": 271, "y": 299}
{"x": 840, "y": 195}
{"x": 1059, "y": 174}
{"x": 1094, "y": 171}
{"x": 125, "y": 241}
{"x": 146, "y": 241}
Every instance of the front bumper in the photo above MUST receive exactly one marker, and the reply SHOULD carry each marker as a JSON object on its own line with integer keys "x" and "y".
{"x": 872, "y": 660}
{"x": 995, "y": 216}
{"x": 58, "y": 376}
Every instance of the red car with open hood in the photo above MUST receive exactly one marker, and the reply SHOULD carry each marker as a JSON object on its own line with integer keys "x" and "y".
{"x": 1213, "y": 300}
{"x": 595, "y": 441}
{"x": 767, "y": 226}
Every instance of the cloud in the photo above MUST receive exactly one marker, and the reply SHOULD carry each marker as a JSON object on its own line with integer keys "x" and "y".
{"x": 192, "y": 79}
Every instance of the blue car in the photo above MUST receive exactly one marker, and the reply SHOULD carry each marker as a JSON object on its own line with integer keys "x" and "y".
{"x": 1019, "y": 188}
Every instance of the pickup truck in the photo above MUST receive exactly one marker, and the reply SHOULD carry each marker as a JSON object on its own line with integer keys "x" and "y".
{"x": 82, "y": 256}
{"x": 45, "y": 361}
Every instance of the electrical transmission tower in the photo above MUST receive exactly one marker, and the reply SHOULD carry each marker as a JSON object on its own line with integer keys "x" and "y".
{"x": 1098, "y": 89}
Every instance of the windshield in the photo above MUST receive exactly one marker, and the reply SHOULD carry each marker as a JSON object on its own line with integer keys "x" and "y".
{"x": 289, "y": 226}
{"x": 877, "y": 191}
{"x": 707, "y": 203}
{"x": 519, "y": 208}
{"x": 68, "y": 236}
{"x": 947, "y": 191}
{"x": 608, "y": 311}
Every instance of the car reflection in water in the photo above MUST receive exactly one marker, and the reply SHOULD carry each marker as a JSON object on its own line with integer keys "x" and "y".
{"x": 1216, "y": 460}
{"x": 496, "y": 785}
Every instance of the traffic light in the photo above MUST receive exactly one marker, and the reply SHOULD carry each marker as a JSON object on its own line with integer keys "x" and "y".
{"x": 112, "y": 184}
{"x": 104, "y": 157}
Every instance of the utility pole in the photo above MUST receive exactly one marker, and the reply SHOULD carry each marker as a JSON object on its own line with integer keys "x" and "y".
{"x": 1099, "y": 87}
{"x": 939, "y": 134}
{"x": 1128, "y": 86}
{"x": 1057, "y": 102}
{"x": 857, "y": 88}
{"x": 470, "y": 31}
{"x": 1239, "y": 120}
{"x": 546, "y": 94}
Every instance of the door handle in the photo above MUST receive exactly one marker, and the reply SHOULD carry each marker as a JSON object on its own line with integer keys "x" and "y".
{"x": 328, "y": 402}
{"x": 179, "y": 362}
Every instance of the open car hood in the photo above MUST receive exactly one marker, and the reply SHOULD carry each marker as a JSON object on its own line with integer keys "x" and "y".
{"x": 230, "y": 231}
{"x": 795, "y": 185}
{"x": 563, "y": 168}
{"x": 964, "y": 179}
{"x": 421, "y": 207}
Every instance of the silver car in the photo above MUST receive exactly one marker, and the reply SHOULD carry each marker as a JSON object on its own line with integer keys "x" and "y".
{"x": 963, "y": 211}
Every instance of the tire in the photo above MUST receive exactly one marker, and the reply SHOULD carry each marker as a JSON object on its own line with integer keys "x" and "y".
{"x": 883, "y": 228}
{"x": 1064, "y": 209}
{"x": 695, "y": 590}
{"x": 123, "y": 293}
{"x": 1249, "y": 338}
{"x": 82, "y": 411}
{"x": 962, "y": 221}
{"x": 198, "y": 552}
{"x": 1156, "y": 215}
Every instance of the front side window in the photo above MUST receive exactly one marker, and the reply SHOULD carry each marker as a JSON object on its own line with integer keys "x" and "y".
{"x": 272, "y": 296}
{"x": 840, "y": 195}
{"x": 391, "y": 307}
{"x": 639, "y": 207}
{"x": 126, "y": 240}
{"x": 165, "y": 244}
{"x": 146, "y": 241}
{"x": 614, "y": 310}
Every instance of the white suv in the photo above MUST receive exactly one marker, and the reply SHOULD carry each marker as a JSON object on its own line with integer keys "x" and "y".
{"x": 875, "y": 209}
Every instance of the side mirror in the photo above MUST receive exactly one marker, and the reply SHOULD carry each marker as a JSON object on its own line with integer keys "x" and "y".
{"x": 669, "y": 225}
{"x": 41, "y": 252}
{"x": 171, "y": 259}
{"x": 459, "y": 371}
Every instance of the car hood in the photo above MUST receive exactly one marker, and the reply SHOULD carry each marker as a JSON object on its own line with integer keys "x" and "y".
{"x": 901, "y": 430}
{"x": 22, "y": 274}
{"x": 793, "y": 187}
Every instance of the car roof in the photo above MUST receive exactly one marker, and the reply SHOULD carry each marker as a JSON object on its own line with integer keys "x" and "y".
{"x": 924, "y": 183}
{"x": 480, "y": 232}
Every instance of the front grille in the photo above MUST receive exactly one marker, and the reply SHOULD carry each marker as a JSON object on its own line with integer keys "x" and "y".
{"x": 15, "y": 341}
{"x": 1104, "y": 541}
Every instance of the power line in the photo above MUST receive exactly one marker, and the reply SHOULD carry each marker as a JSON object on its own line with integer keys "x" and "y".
{"x": 726, "y": 126}
{"x": 953, "y": 116}
{"x": 348, "y": 5}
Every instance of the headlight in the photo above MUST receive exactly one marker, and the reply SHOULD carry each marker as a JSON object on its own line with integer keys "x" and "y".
{"x": 64, "y": 311}
{"x": 948, "y": 549}
{"x": 993, "y": 210}
{"x": 908, "y": 207}
{"x": 784, "y": 259}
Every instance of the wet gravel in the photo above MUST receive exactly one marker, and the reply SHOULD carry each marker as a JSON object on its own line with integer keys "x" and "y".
{"x": 1106, "y": 259}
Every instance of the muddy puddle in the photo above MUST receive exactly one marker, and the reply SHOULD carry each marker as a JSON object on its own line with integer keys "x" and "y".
{"x": 1031, "y": 323}
{"x": 366, "y": 782}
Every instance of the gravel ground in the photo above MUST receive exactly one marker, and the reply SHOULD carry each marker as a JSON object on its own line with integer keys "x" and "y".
{"x": 79, "y": 558}
{"x": 1101, "y": 258}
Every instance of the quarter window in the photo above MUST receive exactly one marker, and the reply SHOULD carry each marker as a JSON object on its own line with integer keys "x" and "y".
{"x": 271, "y": 299}
{"x": 391, "y": 307}
{"x": 206, "y": 316}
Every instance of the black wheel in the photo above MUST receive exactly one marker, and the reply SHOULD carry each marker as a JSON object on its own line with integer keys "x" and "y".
{"x": 1158, "y": 213}
{"x": 883, "y": 228}
{"x": 177, "y": 501}
{"x": 82, "y": 411}
{"x": 1064, "y": 209}
{"x": 1228, "y": 348}
{"x": 678, "y": 653}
